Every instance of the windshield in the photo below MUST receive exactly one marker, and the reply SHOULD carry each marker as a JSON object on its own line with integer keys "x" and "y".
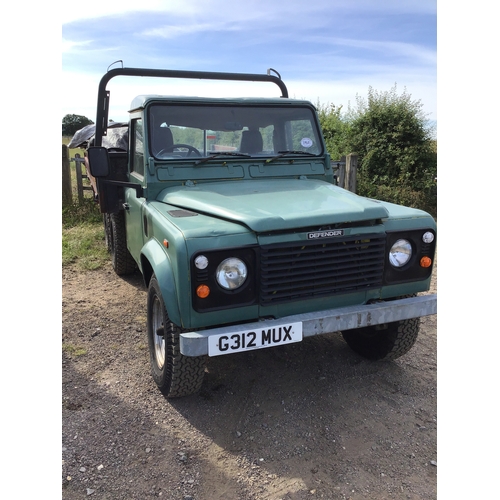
{"x": 199, "y": 131}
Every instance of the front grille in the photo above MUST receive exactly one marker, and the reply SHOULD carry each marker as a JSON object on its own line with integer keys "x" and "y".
{"x": 309, "y": 269}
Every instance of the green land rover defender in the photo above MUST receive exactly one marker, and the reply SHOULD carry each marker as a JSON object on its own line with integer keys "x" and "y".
{"x": 230, "y": 209}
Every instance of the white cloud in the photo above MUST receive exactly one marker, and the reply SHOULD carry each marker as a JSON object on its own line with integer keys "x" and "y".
{"x": 296, "y": 10}
{"x": 175, "y": 30}
{"x": 409, "y": 50}
{"x": 73, "y": 11}
{"x": 70, "y": 46}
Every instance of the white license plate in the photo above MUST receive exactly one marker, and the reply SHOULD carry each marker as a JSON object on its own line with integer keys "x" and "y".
{"x": 248, "y": 340}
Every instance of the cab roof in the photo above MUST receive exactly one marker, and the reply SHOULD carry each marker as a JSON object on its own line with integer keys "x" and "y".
{"x": 141, "y": 101}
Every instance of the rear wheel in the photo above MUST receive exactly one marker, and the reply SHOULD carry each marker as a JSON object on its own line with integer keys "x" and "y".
{"x": 116, "y": 239}
{"x": 176, "y": 375}
{"x": 384, "y": 343}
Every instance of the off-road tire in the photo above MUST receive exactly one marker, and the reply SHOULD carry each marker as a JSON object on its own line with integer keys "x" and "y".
{"x": 123, "y": 262}
{"x": 384, "y": 343}
{"x": 175, "y": 375}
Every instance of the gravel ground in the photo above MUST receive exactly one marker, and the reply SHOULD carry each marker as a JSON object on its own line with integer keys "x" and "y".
{"x": 303, "y": 421}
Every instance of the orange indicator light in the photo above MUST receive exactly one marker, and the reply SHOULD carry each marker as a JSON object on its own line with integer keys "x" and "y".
{"x": 203, "y": 291}
{"x": 165, "y": 243}
{"x": 425, "y": 262}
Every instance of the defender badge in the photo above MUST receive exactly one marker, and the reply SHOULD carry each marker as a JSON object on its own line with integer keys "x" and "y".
{"x": 325, "y": 234}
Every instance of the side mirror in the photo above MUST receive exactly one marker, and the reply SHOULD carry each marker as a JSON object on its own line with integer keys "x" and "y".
{"x": 98, "y": 161}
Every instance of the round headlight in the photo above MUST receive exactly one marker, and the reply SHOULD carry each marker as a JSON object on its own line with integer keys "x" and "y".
{"x": 201, "y": 262}
{"x": 400, "y": 253}
{"x": 231, "y": 273}
{"x": 427, "y": 237}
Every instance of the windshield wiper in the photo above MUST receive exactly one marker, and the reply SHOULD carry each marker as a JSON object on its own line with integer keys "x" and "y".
{"x": 222, "y": 153}
{"x": 291, "y": 152}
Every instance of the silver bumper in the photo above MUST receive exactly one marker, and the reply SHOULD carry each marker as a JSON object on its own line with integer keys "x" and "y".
{"x": 320, "y": 322}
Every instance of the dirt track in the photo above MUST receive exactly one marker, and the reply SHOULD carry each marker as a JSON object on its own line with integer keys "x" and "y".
{"x": 303, "y": 421}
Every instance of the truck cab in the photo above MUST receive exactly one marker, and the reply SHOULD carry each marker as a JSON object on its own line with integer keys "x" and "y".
{"x": 229, "y": 208}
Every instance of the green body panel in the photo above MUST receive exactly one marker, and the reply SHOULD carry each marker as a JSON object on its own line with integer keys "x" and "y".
{"x": 134, "y": 221}
{"x": 402, "y": 218}
{"x": 213, "y": 171}
{"x": 166, "y": 274}
{"x": 276, "y": 204}
{"x": 199, "y": 225}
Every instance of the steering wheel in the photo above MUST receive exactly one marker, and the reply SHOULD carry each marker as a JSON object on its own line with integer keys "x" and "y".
{"x": 190, "y": 149}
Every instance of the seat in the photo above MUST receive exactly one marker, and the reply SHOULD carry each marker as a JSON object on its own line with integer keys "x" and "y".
{"x": 251, "y": 141}
{"x": 162, "y": 139}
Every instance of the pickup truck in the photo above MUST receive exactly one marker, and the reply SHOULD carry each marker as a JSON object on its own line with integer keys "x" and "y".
{"x": 230, "y": 210}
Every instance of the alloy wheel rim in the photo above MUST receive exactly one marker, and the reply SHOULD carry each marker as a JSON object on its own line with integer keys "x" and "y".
{"x": 158, "y": 340}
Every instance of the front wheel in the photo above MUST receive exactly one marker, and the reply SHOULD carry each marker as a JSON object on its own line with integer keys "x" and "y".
{"x": 384, "y": 343}
{"x": 176, "y": 375}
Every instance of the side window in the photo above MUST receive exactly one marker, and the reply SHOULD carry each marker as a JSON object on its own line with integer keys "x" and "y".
{"x": 137, "y": 147}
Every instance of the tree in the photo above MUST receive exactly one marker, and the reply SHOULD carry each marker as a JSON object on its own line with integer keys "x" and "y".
{"x": 72, "y": 123}
{"x": 397, "y": 159}
{"x": 335, "y": 130}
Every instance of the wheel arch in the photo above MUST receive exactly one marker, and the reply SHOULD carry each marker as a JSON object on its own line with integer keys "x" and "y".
{"x": 155, "y": 261}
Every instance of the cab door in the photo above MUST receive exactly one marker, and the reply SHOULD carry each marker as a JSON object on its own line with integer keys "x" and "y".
{"x": 134, "y": 204}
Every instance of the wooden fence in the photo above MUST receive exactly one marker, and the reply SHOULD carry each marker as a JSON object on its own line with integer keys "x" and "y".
{"x": 80, "y": 173}
{"x": 344, "y": 173}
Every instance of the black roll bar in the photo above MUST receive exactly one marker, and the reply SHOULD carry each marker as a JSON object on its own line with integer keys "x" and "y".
{"x": 103, "y": 94}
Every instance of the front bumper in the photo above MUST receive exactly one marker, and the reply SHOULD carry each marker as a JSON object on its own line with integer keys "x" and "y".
{"x": 321, "y": 322}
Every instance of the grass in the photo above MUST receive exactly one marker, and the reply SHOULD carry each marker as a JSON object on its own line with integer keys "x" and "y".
{"x": 83, "y": 241}
{"x": 74, "y": 350}
{"x": 84, "y": 246}
{"x": 86, "y": 212}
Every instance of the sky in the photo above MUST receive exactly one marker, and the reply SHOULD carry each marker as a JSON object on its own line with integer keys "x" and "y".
{"x": 326, "y": 51}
